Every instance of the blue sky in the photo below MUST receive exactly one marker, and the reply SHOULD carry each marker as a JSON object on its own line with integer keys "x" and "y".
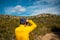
{"x": 29, "y": 7}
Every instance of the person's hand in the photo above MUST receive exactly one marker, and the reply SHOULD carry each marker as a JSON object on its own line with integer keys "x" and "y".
{"x": 27, "y": 20}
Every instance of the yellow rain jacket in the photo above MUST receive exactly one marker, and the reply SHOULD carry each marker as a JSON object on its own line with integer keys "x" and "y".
{"x": 22, "y": 32}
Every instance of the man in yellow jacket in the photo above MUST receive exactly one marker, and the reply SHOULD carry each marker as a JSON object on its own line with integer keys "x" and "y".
{"x": 22, "y": 32}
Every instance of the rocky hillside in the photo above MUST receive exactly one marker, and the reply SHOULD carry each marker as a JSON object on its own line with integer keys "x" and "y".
{"x": 45, "y": 23}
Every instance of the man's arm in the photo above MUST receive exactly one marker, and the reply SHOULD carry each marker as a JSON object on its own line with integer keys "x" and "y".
{"x": 32, "y": 27}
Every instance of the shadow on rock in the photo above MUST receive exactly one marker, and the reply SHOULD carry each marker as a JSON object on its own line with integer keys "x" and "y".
{"x": 56, "y": 30}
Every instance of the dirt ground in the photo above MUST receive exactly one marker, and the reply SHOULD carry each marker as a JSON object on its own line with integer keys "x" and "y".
{"x": 48, "y": 36}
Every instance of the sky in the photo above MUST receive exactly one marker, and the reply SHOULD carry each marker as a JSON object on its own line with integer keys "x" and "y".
{"x": 29, "y": 7}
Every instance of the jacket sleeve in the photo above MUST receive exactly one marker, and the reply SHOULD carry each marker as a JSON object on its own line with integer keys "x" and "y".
{"x": 32, "y": 27}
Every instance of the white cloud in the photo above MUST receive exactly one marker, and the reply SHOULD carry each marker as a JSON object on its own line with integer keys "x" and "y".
{"x": 17, "y": 9}
{"x": 38, "y": 8}
{"x": 51, "y": 10}
{"x": 52, "y": 2}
